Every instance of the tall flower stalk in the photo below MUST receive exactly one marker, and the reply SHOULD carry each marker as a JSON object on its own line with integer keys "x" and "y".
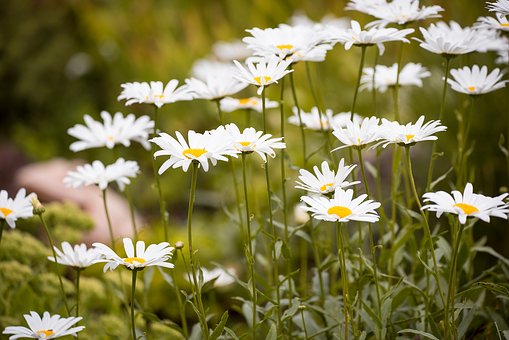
{"x": 108, "y": 219}
{"x": 301, "y": 124}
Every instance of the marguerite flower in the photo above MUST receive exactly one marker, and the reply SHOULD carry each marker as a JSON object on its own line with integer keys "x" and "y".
{"x": 342, "y": 207}
{"x": 250, "y": 140}
{"x": 402, "y": 12}
{"x": 358, "y": 134}
{"x": 12, "y": 209}
{"x": 153, "y": 255}
{"x": 77, "y": 257}
{"x": 329, "y": 121}
{"x": 476, "y": 80}
{"x": 47, "y": 327}
{"x": 451, "y": 39}
{"x": 214, "y": 80}
{"x": 210, "y": 146}
{"x": 467, "y": 204}
{"x": 229, "y": 104}
{"x": 100, "y": 175}
{"x": 114, "y": 130}
{"x": 327, "y": 180}
{"x": 500, "y": 6}
{"x": 499, "y": 23}
{"x": 154, "y": 93}
{"x": 229, "y": 51}
{"x": 356, "y": 36}
{"x": 295, "y": 43}
{"x": 385, "y": 76}
{"x": 409, "y": 134}
{"x": 264, "y": 73}
{"x": 364, "y": 6}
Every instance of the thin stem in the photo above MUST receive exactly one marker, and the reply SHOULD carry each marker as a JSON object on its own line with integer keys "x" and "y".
{"x": 463, "y": 145}
{"x": 2, "y": 223}
{"x": 301, "y": 125}
{"x": 426, "y": 224}
{"x": 359, "y": 75}
{"x": 344, "y": 277}
{"x": 440, "y": 117}
{"x": 250, "y": 258}
{"x": 219, "y": 111}
{"x": 133, "y": 289}
{"x": 46, "y": 228}
{"x": 181, "y": 307}
{"x": 451, "y": 292}
{"x": 361, "y": 163}
{"x": 306, "y": 336}
{"x": 78, "y": 272}
{"x": 396, "y": 86}
{"x": 162, "y": 202}
{"x": 318, "y": 261}
{"x": 110, "y": 228}
{"x": 132, "y": 212}
{"x": 373, "y": 79}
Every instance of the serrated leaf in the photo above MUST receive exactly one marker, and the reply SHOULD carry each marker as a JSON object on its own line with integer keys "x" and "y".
{"x": 422, "y": 333}
{"x": 220, "y": 327}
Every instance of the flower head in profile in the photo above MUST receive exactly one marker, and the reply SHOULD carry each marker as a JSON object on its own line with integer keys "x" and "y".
{"x": 154, "y": 93}
{"x": 221, "y": 277}
{"x": 113, "y": 130}
{"x": 501, "y": 7}
{"x": 136, "y": 258}
{"x": 356, "y": 36}
{"x": 467, "y": 204}
{"x": 250, "y": 140}
{"x": 499, "y": 23}
{"x": 231, "y": 50}
{"x": 450, "y": 40}
{"x": 386, "y": 76}
{"x": 325, "y": 181}
{"x": 364, "y": 6}
{"x": 409, "y": 134}
{"x": 210, "y": 146}
{"x": 358, "y": 134}
{"x": 47, "y": 327}
{"x": 263, "y": 73}
{"x": 78, "y": 257}
{"x": 97, "y": 173}
{"x": 294, "y": 43}
{"x": 342, "y": 207}
{"x": 328, "y": 121}
{"x": 402, "y": 12}
{"x": 229, "y": 104}
{"x": 214, "y": 80}
{"x": 476, "y": 80}
{"x": 13, "y": 208}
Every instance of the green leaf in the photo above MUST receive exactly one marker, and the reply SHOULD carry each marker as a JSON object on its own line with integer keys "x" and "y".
{"x": 220, "y": 326}
{"x": 424, "y": 334}
{"x": 501, "y": 145}
{"x": 272, "y": 335}
{"x": 492, "y": 252}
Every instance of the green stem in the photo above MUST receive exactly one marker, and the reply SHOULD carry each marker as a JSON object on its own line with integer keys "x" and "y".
{"x": 344, "y": 277}
{"x": 250, "y": 257}
{"x": 361, "y": 163}
{"x": 181, "y": 307}
{"x": 132, "y": 213}
{"x": 46, "y": 228}
{"x": 440, "y": 117}
{"x": 451, "y": 292}
{"x": 162, "y": 202}
{"x": 301, "y": 125}
{"x": 78, "y": 272}
{"x": 462, "y": 172}
{"x": 318, "y": 261}
{"x": 133, "y": 289}
{"x": 108, "y": 219}
{"x": 306, "y": 336}
{"x": 396, "y": 86}
{"x": 359, "y": 75}
{"x": 2, "y": 223}
{"x": 373, "y": 78}
{"x": 219, "y": 111}
{"x": 426, "y": 224}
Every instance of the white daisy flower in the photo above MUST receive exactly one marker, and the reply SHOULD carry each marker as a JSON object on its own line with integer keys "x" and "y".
{"x": 342, "y": 207}
{"x": 467, "y": 204}
{"x": 301, "y": 19}
{"x": 500, "y": 6}
{"x": 210, "y": 146}
{"x": 386, "y": 76}
{"x": 402, "y": 12}
{"x": 229, "y": 51}
{"x": 154, "y": 255}
{"x": 154, "y": 93}
{"x": 250, "y": 140}
{"x": 476, "y": 80}
{"x": 358, "y": 134}
{"x": 214, "y": 80}
{"x": 12, "y": 209}
{"x": 99, "y": 174}
{"x": 409, "y": 134}
{"x": 325, "y": 181}
{"x": 288, "y": 42}
{"x": 356, "y": 36}
{"x": 503, "y": 58}
{"x": 364, "y": 6}
{"x": 451, "y": 39}
{"x": 229, "y": 104}
{"x": 329, "y": 121}
{"x": 499, "y": 23}
{"x": 78, "y": 257}
{"x": 113, "y": 130}
{"x": 300, "y": 213}
{"x": 493, "y": 40}
{"x": 47, "y": 327}
{"x": 263, "y": 73}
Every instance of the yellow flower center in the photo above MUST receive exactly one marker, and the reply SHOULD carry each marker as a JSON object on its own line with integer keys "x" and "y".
{"x": 408, "y": 137}
{"x": 6, "y": 211}
{"x": 285, "y": 47}
{"x": 158, "y": 96}
{"x": 258, "y": 80}
{"x": 505, "y": 24}
{"x": 471, "y": 88}
{"x": 467, "y": 208}
{"x": 325, "y": 186}
{"x": 247, "y": 101}
{"x": 245, "y": 143}
{"x": 131, "y": 260}
{"x": 340, "y": 211}
{"x": 110, "y": 138}
{"x": 195, "y": 153}
{"x": 46, "y": 332}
